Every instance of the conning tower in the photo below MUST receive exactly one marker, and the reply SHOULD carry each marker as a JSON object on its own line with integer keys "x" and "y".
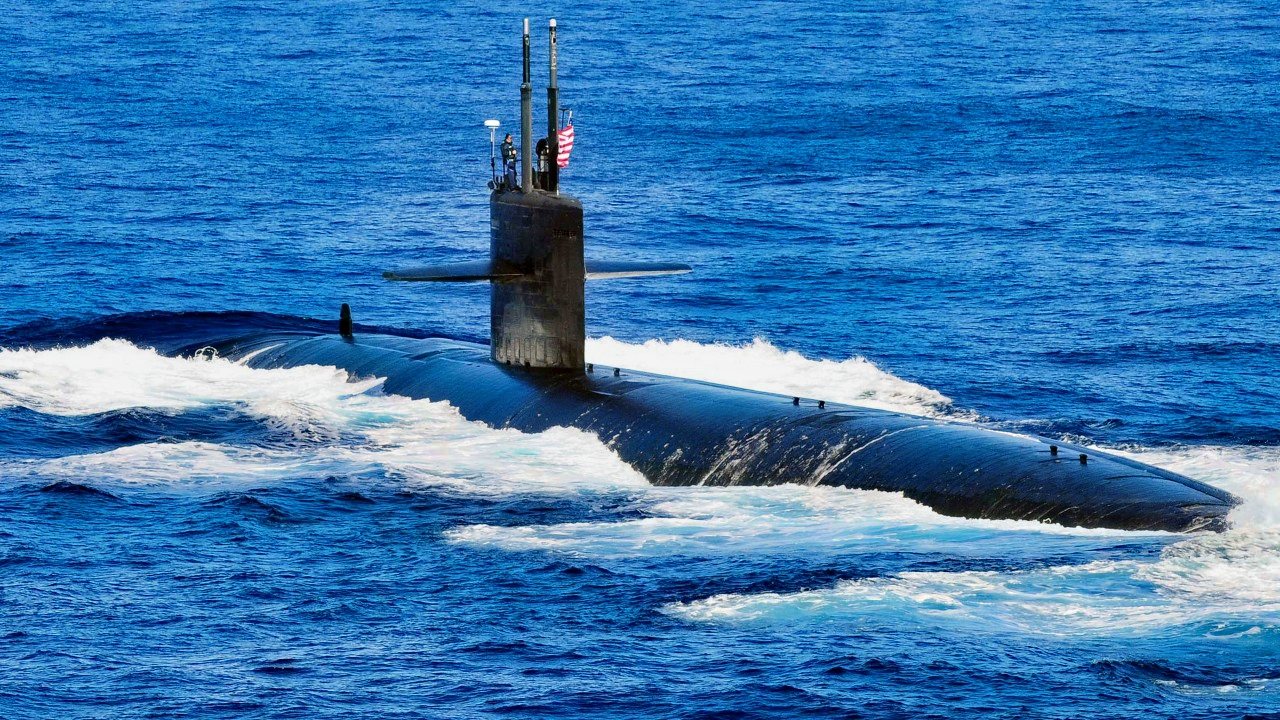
{"x": 536, "y": 267}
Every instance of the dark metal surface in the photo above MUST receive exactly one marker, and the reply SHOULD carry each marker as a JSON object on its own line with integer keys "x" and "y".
{"x": 553, "y": 121}
{"x": 683, "y": 432}
{"x": 344, "y": 321}
{"x": 537, "y": 319}
{"x": 473, "y": 271}
{"x": 607, "y": 269}
{"x": 526, "y": 120}
{"x": 480, "y": 270}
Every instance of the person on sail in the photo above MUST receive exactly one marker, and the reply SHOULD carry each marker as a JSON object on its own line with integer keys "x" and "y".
{"x": 509, "y": 162}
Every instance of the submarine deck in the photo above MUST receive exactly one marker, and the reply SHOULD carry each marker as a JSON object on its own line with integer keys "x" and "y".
{"x": 685, "y": 432}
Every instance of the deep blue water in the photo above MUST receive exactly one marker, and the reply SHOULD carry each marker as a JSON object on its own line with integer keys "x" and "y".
{"x": 1062, "y": 217}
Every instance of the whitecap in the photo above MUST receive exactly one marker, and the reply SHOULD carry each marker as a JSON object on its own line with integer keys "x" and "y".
{"x": 760, "y": 365}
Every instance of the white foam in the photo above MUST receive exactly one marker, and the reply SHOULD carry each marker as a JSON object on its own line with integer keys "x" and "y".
{"x": 186, "y": 465}
{"x": 416, "y": 441}
{"x": 467, "y": 458}
{"x": 759, "y": 365}
{"x": 708, "y": 521}
{"x": 1218, "y": 582}
{"x": 115, "y": 375}
{"x": 1249, "y": 472}
{"x": 1228, "y": 583}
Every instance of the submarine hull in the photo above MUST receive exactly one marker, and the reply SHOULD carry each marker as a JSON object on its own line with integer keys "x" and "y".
{"x": 684, "y": 432}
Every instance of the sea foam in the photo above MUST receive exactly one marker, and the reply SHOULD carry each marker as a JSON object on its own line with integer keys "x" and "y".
{"x": 1227, "y": 582}
{"x": 760, "y": 365}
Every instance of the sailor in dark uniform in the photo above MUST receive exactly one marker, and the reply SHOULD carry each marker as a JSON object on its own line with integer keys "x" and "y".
{"x": 509, "y": 161}
{"x": 540, "y": 176}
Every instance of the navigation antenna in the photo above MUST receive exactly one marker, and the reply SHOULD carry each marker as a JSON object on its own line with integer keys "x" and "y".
{"x": 493, "y": 126}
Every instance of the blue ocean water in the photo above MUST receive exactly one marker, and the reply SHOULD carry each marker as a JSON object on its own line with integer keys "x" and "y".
{"x": 1057, "y": 218}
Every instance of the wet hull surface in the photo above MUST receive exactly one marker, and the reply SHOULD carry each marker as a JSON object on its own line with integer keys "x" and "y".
{"x": 685, "y": 432}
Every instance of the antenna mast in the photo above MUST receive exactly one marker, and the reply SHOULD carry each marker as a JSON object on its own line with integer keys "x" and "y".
{"x": 526, "y": 120}
{"x": 553, "y": 125}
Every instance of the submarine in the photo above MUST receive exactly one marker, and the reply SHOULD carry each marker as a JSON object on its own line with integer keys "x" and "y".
{"x": 533, "y": 376}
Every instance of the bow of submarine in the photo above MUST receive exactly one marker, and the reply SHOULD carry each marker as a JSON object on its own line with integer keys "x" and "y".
{"x": 685, "y": 432}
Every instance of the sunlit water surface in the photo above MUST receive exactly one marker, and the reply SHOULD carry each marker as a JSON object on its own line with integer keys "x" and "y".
{"x": 1059, "y": 219}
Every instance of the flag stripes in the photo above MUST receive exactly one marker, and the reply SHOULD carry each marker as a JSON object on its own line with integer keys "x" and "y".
{"x": 564, "y": 139}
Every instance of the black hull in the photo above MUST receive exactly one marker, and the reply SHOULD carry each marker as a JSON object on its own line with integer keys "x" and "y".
{"x": 684, "y": 432}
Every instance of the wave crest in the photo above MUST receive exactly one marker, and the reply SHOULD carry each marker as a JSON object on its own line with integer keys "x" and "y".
{"x": 760, "y": 365}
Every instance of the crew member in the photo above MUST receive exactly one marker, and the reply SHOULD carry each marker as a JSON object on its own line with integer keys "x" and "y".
{"x": 509, "y": 161}
{"x": 541, "y": 176}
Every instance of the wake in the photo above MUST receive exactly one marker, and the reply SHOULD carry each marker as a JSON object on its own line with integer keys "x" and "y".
{"x": 1226, "y": 584}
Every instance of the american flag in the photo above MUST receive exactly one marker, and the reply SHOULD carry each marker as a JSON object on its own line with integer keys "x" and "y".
{"x": 564, "y": 139}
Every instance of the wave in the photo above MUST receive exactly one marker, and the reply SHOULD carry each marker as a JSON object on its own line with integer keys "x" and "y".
{"x": 423, "y": 445}
{"x": 1224, "y": 584}
{"x": 115, "y": 375}
{"x": 335, "y": 427}
{"x": 1227, "y": 585}
{"x": 774, "y": 520}
{"x": 760, "y": 365}
{"x": 64, "y": 487}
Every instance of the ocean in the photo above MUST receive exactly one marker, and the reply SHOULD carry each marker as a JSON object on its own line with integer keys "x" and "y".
{"x": 1051, "y": 218}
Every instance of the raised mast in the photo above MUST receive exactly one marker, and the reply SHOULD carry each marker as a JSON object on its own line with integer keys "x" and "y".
{"x": 526, "y": 120}
{"x": 553, "y": 120}
{"x": 536, "y": 269}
